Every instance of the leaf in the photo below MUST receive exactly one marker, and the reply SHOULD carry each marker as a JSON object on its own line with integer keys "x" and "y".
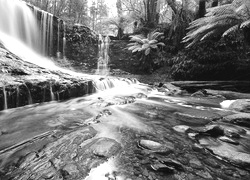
{"x": 153, "y": 41}
{"x": 147, "y": 51}
{"x": 245, "y": 24}
{"x": 160, "y": 44}
{"x": 136, "y": 49}
{"x": 231, "y": 30}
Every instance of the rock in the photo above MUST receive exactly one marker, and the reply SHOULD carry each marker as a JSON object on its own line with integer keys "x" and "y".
{"x": 241, "y": 119}
{"x": 195, "y": 163}
{"x": 231, "y": 154}
{"x": 105, "y": 147}
{"x": 148, "y": 144}
{"x": 156, "y": 147}
{"x": 204, "y": 174}
{"x": 211, "y": 162}
{"x": 172, "y": 163}
{"x": 198, "y": 94}
{"x": 162, "y": 168}
{"x": 197, "y": 148}
{"x": 181, "y": 128}
{"x": 211, "y": 130}
{"x": 228, "y": 140}
{"x": 242, "y": 105}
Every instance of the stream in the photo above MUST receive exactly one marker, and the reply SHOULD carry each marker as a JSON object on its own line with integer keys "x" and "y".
{"x": 128, "y": 132}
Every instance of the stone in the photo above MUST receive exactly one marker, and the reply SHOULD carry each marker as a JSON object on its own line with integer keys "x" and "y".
{"x": 196, "y": 164}
{"x": 231, "y": 154}
{"x": 172, "y": 163}
{"x": 162, "y": 168}
{"x": 204, "y": 174}
{"x": 106, "y": 147}
{"x": 241, "y": 119}
{"x": 198, "y": 148}
{"x": 198, "y": 94}
{"x": 228, "y": 140}
{"x": 148, "y": 144}
{"x": 241, "y": 105}
{"x": 211, "y": 162}
{"x": 181, "y": 128}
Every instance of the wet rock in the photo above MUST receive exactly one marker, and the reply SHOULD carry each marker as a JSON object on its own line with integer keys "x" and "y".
{"x": 196, "y": 164}
{"x": 242, "y": 105}
{"x": 228, "y": 140}
{"x": 199, "y": 94}
{"x": 162, "y": 168}
{"x": 204, "y": 174}
{"x": 181, "y": 128}
{"x": 241, "y": 119}
{"x": 231, "y": 154}
{"x": 211, "y": 130}
{"x": 105, "y": 147}
{"x": 148, "y": 144}
{"x": 197, "y": 148}
{"x": 156, "y": 147}
{"x": 172, "y": 163}
{"x": 211, "y": 162}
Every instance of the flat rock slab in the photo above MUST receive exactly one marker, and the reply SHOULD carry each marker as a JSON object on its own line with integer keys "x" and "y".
{"x": 241, "y": 119}
{"x": 242, "y": 105}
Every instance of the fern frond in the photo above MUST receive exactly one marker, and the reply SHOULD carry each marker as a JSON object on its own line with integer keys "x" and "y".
{"x": 220, "y": 10}
{"x": 231, "y": 30}
{"x": 245, "y": 24}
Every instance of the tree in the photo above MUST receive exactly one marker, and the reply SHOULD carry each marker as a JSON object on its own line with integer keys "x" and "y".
{"x": 222, "y": 21}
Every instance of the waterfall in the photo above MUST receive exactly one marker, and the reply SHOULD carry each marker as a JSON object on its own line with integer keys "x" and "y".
{"x": 19, "y": 32}
{"x": 103, "y": 48}
{"x": 52, "y": 96}
{"x": 5, "y": 106}
{"x": 17, "y": 21}
{"x": 30, "y": 101}
{"x": 58, "y": 54}
{"x": 64, "y": 39}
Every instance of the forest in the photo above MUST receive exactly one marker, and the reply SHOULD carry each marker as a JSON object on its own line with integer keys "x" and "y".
{"x": 197, "y": 36}
{"x": 124, "y": 89}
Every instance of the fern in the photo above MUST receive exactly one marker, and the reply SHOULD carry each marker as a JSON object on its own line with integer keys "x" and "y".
{"x": 221, "y": 20}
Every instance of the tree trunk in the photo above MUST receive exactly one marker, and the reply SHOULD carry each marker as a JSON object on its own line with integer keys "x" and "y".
{"x": 215, "y": 3}
{"x": 202, "y": 9}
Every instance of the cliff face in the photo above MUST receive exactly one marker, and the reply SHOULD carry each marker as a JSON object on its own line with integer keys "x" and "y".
{"x": 23, "y": 83}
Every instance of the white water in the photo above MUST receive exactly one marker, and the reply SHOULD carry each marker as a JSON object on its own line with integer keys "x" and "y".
{"x": 5, "y": 98}
{"x": 103, "y": 48}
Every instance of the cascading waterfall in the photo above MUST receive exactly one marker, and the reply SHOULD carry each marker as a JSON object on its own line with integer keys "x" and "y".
{"x": 18, "y": 22}
{"x": 58, "y": 54}
{"x": 19, "y": 32}
{"x": 5, "y": 106}
{"x": 52, "y": 96}
{"x": 103, "y": 48}
{"x": 30, "y": 101}
{"x": 64, "y": 39}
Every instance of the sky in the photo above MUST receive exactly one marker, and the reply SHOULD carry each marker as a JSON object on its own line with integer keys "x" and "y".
{"x": 111, "y": 4}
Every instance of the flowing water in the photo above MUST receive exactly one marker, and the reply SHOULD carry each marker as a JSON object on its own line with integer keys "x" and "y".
{"x": 100, "y": 136}
{"x": 103, "y": 60}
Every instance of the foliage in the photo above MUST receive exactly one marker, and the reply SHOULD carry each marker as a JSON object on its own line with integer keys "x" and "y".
{"x": 222, "y": 21}
{"x": 183, "y": 14}
{"x": 207, "y": 60}
{"x": 146, "y": 47}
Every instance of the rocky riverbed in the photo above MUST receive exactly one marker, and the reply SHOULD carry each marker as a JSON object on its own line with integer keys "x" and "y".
{"x": 135, "y": 132}
{"x": 118, "y": 128}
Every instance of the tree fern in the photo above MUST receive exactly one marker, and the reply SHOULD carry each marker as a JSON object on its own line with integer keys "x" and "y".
{"x": 221, "y": 20}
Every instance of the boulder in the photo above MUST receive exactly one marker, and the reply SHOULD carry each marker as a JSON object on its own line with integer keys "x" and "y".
{"x": 242, "y": 105}
{"x": 241, "y": 119}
